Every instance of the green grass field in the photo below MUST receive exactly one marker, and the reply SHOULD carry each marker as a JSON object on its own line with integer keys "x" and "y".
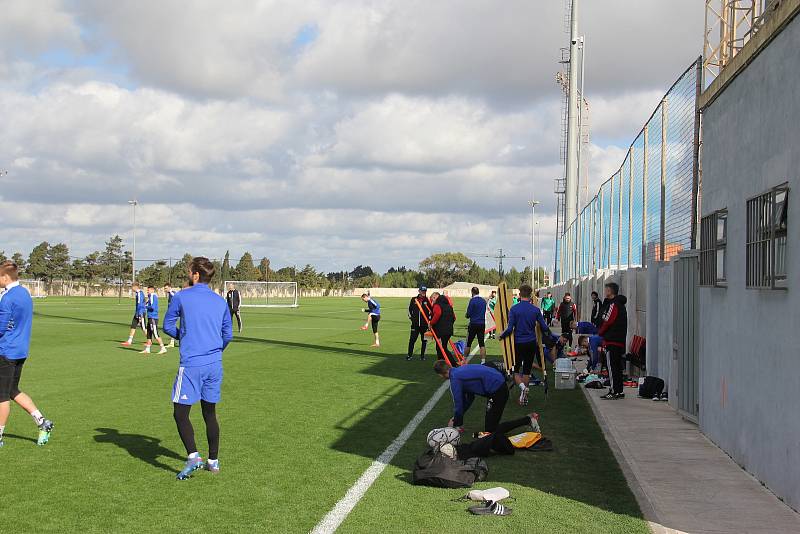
{"x": 307, "y": 406}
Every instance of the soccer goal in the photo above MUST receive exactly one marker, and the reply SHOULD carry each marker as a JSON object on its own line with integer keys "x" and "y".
{"x": 34, "y": 287}
{"x": 265, "y": 294}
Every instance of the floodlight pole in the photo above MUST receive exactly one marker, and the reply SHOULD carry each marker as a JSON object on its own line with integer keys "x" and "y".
{"x": 533, "y": 204}
{"x": 133, "y": 203}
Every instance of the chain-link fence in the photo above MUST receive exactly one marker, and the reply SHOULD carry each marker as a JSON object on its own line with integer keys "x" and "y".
{"x": 647, "y": 211}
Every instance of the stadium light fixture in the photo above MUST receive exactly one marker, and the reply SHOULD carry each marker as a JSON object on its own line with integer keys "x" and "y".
{"x": 533, "y": 203}
{"x": 133, "y": 204}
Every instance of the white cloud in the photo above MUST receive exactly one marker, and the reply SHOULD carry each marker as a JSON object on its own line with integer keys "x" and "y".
{"x": 334, "y": 133}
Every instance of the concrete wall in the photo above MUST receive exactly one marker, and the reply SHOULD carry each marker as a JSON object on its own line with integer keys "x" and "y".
{"x": 749, "y": 367}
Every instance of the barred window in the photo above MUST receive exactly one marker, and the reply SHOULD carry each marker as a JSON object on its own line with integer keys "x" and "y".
{"x": 767, "y": 239}
{"x": 714, "y": 248}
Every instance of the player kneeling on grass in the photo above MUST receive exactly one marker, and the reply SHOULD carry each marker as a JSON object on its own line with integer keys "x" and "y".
{"x": 16, "y": 319}
{"x": 470, "y": 380}
{"x": 373, "y": 311}
{"x": 152, "y": 322}
{"x": 522, "y": 320}
{"x": 205, "y": 330}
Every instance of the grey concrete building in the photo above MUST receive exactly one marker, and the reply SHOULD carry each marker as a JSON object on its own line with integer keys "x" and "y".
{"x": 749, "y": 317}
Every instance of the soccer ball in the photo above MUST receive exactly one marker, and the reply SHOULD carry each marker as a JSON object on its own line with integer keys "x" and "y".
{"x": 443, "y": 436}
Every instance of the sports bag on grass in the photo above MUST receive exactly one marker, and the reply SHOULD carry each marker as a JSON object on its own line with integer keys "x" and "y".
{"x": 437, "y": 470}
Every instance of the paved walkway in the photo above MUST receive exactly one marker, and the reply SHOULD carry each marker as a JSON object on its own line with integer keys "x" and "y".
{"x": 683, "y": 482}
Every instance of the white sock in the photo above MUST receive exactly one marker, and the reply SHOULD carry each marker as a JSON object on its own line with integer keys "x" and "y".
{"x": 522, "y": 386}
{"x": 38, "y": 418}
{"x": 194, "y": 455}
{"x": 130, "y": 339}
{"x": 2, "y": 429}
{"x": 213, "y": 462}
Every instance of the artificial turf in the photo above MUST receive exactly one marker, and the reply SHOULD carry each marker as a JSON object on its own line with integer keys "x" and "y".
{"x": 307, "y": 406}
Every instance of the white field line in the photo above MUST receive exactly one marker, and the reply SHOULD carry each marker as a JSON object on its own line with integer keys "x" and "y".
{"x": 342, "y": 509}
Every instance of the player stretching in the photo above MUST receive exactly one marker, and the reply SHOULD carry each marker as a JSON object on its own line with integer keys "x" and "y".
{"x": 138, "y": 314}
{"x": 16, "y": 318}
{"x": 234, "y": 300}
{"x": 169, "y": 292}
{"x": 152, "y": 322}
{"x": 205, "y": 330}
{"x": 373, "y": 311}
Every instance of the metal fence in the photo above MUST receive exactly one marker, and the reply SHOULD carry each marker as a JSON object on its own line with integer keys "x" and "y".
{"x": 648, "y": 209}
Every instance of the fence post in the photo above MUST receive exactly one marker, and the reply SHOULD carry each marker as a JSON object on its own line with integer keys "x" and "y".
{"x": 664, "y": 107}
{"x": 619, "y": 222}
{"x": 644, "y": 195}
{"x": 696, "y": 151}
{"x": 630, "y": 203}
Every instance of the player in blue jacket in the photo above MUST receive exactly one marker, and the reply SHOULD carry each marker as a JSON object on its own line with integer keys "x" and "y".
{"x": 373, "y": 311}
{"x": 16, "y": 319}
{"x": 151, "y": 309}
{"x": 522, "y": 320}
{"x": 204, "y": 331}
{"x": 139, "y": 313}
{"x": 476, "y": 313}
{"x": 467, "y": 381}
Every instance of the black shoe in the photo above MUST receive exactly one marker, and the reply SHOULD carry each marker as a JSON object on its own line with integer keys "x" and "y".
{"x": 656, "y": 397}
{"x": 609, "y": 396}
{"x": 422, "y": 358}
{"x": 408, "y": 358}
{"x": 620, "y": 396}
{"x": 490, "y": 508}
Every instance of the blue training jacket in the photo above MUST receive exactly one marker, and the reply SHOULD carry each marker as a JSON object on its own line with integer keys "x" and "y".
{"x": 476, "y": 310}
{"x": 373, "y": 307}
{"x": 522, "y": 319}
{"x": 205, "y": 325}
{"x": 16, "y": 319}
{"x": 141, "y": 304}
{"x": 152, "y": 306}
{"x": 470, "y": 380}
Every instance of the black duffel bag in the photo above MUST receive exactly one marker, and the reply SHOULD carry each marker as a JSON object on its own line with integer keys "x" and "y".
{"x": 440, "y": 471}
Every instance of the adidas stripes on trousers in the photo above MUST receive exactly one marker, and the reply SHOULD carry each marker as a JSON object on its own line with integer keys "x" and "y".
{"x": 615, "y": 364}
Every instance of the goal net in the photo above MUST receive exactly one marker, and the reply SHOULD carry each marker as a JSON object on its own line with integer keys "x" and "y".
{"x": 34, "y": 287}
{"x": 264, "y": 294}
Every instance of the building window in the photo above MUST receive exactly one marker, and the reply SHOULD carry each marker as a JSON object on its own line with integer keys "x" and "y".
{"x": 767, "y": 239}
{"x": 713, "y": 249}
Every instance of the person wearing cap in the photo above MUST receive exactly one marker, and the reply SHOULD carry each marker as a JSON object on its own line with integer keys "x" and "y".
{"x": 419, "y": 313}
{"x": 476, "y": 313}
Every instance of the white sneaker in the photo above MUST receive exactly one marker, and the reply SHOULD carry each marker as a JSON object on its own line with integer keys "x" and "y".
{"x": 171, "y": 344}
{"x": 145, "y": 351}
{"x": 163, "y": 350}
{"x": 523, "y": 397}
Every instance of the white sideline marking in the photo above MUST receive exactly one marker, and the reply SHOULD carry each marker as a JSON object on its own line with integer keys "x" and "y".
{"x": 339, "y": 513}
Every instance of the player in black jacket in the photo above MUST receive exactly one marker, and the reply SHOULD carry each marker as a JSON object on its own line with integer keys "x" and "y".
{"x": 234, "y": 301}
{"x": 614, "y": 331}
{"x": 597, "y": 306}
{"x": 419, "y": 322}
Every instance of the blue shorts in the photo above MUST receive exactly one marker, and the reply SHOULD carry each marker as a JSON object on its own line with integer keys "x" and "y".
{"x": 195, "y": 383}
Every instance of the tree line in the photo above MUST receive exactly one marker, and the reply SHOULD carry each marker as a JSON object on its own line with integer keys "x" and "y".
{"x": 113, "y": 265}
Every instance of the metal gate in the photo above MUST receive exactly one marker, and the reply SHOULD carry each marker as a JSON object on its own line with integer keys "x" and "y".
{"x": 685, "y": 341}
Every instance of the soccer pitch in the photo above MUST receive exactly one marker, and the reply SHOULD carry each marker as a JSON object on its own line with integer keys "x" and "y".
{"x": 306, "y": 408}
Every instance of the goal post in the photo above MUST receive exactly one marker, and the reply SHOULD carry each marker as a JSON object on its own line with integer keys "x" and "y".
{"x": 34, "y": 287}
{"x": 264, "y": 294}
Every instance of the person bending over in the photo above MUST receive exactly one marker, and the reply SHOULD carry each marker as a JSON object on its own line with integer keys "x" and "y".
{"x": 468, "y": 381}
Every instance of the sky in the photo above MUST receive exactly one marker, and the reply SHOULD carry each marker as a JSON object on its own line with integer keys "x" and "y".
{"x": 335, "y": 133}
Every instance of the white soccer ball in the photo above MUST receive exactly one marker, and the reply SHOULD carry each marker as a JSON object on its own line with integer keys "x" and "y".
{"x": 442, "y": 436}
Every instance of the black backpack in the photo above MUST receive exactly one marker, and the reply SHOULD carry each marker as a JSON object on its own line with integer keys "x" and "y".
{"x": 651, "y": 387}
{"x": 435, "y": 469}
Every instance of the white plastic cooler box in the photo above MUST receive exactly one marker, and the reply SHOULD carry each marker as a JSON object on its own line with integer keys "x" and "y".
{"x": 565, "y": 374}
